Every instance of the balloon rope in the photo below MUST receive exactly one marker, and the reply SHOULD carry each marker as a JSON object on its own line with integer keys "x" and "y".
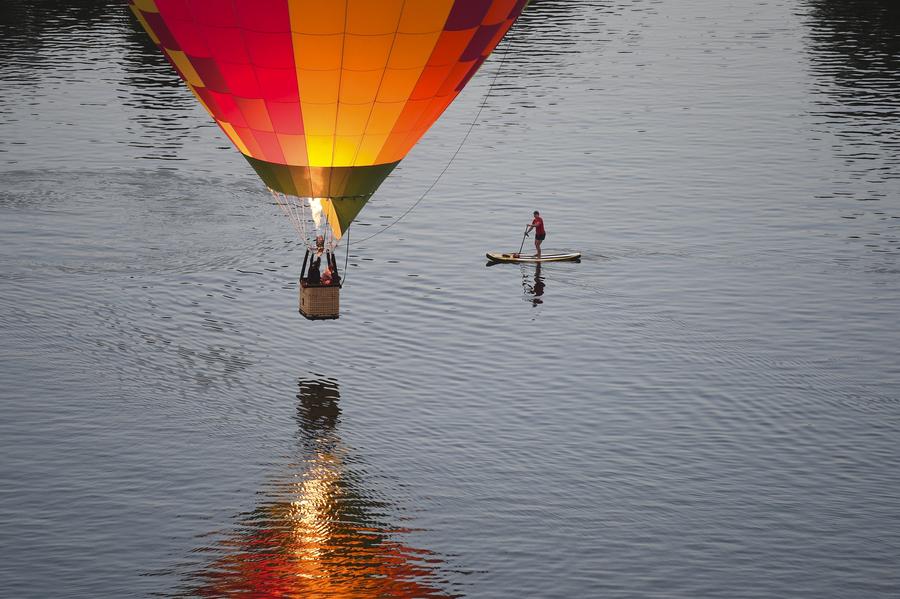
{"x": 453, "y": 157}
{"x": 299, "y": 211}
{"x": 293, "y": 211}
{"x": 346, "y": 259}
{"x": 281, "y": 201}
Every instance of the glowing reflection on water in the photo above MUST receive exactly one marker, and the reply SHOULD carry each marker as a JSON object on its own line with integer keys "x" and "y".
{"x": 318, "y": 531}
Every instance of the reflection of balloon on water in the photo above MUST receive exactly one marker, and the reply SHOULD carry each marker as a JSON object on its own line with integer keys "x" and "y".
{"x": 325, "y": 97}
{"x": 318, "y": 532}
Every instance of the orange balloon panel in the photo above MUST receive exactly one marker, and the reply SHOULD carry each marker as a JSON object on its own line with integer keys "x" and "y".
{"x": 324, "y": 97}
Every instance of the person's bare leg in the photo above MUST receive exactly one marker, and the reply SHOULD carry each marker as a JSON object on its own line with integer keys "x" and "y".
{"x": 537, "y": 247}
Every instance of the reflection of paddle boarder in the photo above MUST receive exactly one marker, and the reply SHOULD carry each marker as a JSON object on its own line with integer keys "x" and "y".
{"x": 539, "y": 233}
{"x": 538, "y": 283}
{"x": 535, "y": 290}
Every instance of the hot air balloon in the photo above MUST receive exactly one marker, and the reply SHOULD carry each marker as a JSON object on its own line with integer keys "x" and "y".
{"x": 325, "y": 97}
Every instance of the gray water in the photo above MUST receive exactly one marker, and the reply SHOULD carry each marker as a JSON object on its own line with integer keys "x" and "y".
{"x": 706, "y": 406}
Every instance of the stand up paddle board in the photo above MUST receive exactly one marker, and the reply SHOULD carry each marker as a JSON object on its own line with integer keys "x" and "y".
{"x": 497, "y": 257}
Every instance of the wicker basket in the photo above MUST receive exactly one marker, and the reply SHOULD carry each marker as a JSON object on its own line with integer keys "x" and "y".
{"x": 320, "y": 302}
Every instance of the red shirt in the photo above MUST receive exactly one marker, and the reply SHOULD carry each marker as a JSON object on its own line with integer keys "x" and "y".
{"x": 538, "y": 224}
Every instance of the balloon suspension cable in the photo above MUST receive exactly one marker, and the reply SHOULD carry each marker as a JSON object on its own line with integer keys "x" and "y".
{"x": 292, "y": 211}
{"x": 307, "y": 218}
{"x": 453, "y": 157}
{"x": 346, "y": 259}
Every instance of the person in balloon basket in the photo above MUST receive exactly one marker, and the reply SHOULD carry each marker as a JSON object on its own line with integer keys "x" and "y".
{"x": 327, "y": 277}
{"x": 539, "y": 233}
{"x": 322, "y": 278}
{"x": 315, "y": 276}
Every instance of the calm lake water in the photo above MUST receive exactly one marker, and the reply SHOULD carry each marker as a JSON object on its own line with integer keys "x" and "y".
{"x": 708, "y": 405}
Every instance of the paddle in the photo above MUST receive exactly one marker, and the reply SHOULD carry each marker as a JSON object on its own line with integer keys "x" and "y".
{"x": 522, "y": 244}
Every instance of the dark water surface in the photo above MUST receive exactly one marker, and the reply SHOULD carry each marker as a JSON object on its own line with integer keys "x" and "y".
{"x": 706, "y": 406}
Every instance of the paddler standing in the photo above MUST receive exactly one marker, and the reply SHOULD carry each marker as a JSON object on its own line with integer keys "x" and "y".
{"x": 539, "y": 233}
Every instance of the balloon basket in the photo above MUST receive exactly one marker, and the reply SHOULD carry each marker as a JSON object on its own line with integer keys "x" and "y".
{"x": 320, "y": 302}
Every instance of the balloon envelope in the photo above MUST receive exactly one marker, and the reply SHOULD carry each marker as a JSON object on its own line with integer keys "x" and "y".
{"x": 325, "y": 97}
